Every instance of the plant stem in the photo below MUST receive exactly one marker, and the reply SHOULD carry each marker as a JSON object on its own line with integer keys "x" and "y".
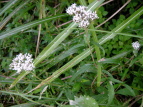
{"x": 99, "y": 70}
{"x": 88, "y": 43}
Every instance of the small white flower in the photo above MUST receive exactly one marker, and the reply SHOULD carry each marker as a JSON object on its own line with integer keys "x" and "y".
{"x": 71, "y": 10}
{"x": 81, "y": 15}
{"x": 84, "y": 23}
{"x": 136, "y": 45}
{"x": 93, "y": 15}
{"x": 77, "y": 18}
{"x": 22, "y": 63}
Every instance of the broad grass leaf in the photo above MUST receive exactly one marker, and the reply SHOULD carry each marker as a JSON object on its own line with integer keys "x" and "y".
{"x": 28, "y": 25}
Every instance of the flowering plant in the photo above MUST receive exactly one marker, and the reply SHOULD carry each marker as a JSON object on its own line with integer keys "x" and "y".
{"x": 81, "y": 15}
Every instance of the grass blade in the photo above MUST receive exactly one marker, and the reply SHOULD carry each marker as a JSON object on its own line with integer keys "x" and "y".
{"x": 28, "y": 25}
{"x": 3, "y": 23}
{"x": 7, "y": 6}
{"x": 57, "y": 40}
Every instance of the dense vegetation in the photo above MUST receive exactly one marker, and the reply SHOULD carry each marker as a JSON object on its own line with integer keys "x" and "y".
{"x": 74, "y": 67}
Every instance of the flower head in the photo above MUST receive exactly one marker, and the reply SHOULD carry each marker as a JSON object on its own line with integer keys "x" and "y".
{"x": 81, "y": 15}
{"x": 136, "y": 45}
{"x": 22, "y": 62}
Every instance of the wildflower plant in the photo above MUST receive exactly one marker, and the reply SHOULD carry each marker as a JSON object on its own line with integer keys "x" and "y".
{"x": 136, "y": 47}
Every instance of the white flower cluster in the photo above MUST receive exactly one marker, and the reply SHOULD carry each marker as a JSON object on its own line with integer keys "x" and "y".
{"x": 22, "y": 63}
{"x": 136, "y": 45}
{"x": 81, "y": 15}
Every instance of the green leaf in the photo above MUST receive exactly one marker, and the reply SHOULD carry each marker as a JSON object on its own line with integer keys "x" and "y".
{"x": 25, "y": 95}
{"x": 125, "y": 92}
{"x": 83, "y": 2}
{"x": 1, "y": 105}
{"x": 83, "y": 69}
{"x": 111, "y": 92}
{"x": 130, "y": 90}
{"x": 27, "y": 26}
{"x": 57, "y": 40}
{"x": 84, "y": 101}
{"x": 76, "y": 87}
{"x": 7, "y": 6}
{"x": 115, "y": 80}
{"x": 121, "y": 55}
{"x": 110, "y": 60}
{"x": 117, "y": 33}
{"x": 3, "y": 23}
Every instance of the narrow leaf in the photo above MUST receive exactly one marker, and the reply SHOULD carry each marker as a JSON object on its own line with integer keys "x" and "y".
{"x": 3, "y": 23}
{"x": 111, "y": 92}
{"x": 27, "y": 26}
{"x": 7, "y": 6}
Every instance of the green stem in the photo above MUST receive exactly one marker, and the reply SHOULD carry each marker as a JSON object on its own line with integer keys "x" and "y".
{"x": 99, "y": 70}
{"x": 88, "y": 43}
